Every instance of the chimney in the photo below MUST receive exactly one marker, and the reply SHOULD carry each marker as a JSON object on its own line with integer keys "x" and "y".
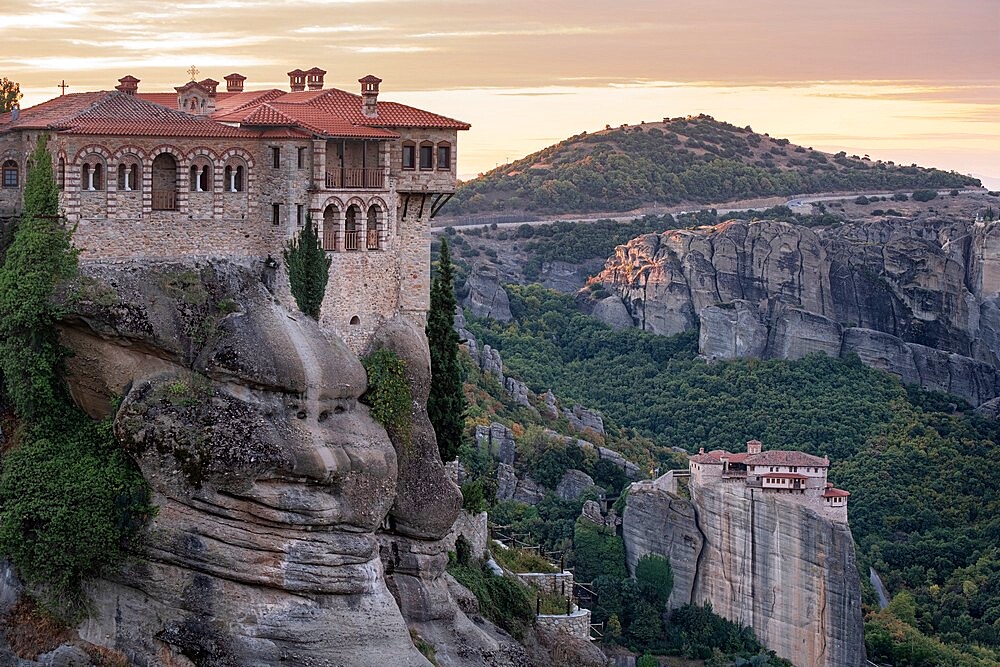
{"x": 234, "y": 83}
{"x": 209, "y": 85}
{"x": 754, "y": 446}
{"x": 128, "y": 84}
{"x": 369, "y": 95}
{"x": 296, "y": 80}
{"x": 314, "y": 78}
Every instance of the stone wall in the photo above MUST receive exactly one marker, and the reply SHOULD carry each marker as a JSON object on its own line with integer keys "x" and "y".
{"x": 474, "y": 528}
{"x": 558, "y": 583}
{"x": 417, "y": 180}
{"x": 576, "y": 624}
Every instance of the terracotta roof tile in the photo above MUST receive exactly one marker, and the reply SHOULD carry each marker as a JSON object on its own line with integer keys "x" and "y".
{"x": 836, "y": 493}
{"x": 778, "y": 457}
{"x": 783, "y": 475}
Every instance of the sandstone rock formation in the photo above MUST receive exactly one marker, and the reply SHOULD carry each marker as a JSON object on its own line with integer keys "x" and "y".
{"x": 761, "y": 560}
{"x": 575, "y": 483}
{"x": 290, "y": 529}
{"x": 487, "y": 297}
{"x": 496, "y": 440}
{"x": 916, "y": 297}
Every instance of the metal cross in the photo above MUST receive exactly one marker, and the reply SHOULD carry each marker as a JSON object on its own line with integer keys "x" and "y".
{"x": 64, "y": 86}
{"x": 194, "y": 71}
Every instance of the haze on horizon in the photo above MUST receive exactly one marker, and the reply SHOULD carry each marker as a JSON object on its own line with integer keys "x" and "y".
{"x": 904, "y": 80}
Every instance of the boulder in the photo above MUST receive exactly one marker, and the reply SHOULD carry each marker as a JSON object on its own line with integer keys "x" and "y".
{"x": 490, "y": 362}
{"x": 506, "y": 482}
{"x": 551, "y": 407}
{"x": 498, "y": 441}
{"x": 574, "y": 483}
{"x": 581, "y": 419}
{"x": 613, "y": 312}
{"x": 529, "y": 492}
{"x": 518, "y": 391}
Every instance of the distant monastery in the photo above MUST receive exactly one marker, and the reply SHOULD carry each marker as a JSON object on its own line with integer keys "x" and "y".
{"x": 202, "y": 173}
{"x": 777, "y": 471}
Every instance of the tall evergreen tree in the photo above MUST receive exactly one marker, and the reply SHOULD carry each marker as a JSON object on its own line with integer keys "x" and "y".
{"x": 446, "y": 403}
{"x": 40, "y": 256}
{"x": 308, "y": 269}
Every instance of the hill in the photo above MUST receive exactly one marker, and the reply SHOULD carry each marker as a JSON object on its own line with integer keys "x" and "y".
{"x": 681, "y": 160}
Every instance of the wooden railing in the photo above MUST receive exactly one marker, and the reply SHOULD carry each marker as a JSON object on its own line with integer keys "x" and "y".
{"x": 164, "y": 200}
{"x": 352, "y": 239}
{"x": 329, "y": 238}
{"x": 373, "y": 179}
{"x": 373, "y": 239}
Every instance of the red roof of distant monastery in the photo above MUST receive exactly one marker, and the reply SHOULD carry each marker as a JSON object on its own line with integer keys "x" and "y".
{"x": 330, "y": 112}
{"x": 835, "y": 493}
{"x": 776, "y": 457}
{"x": 784, "y": 475}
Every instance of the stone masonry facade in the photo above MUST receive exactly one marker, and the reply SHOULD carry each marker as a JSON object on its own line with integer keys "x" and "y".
{"x": 139, "y": 196}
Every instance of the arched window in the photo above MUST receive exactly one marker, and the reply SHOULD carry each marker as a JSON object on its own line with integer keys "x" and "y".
{"x": 164, "y": 182}
{"x": 331, "y": 227}
{"x": 128, "y": 176}
{"x": 352, "y": 228}
{"x": 200, "y": 180}
{"x": 92, "y": 174}
{"x": 375, "y": 231}
{"x": 10, "y": 174}
{"x": 62, "y": 173}
{"x": 234, "y": 177}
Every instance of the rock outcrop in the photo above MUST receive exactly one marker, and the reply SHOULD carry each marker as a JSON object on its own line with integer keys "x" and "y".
{"x": 290, "y": 529}
{"x": 486, "y": 297}
{"x": 916, "y": 297}
{"x": 764, "y": 561}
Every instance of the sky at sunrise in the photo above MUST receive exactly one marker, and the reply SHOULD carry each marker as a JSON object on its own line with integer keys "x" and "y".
{"x": 903, "y": 80}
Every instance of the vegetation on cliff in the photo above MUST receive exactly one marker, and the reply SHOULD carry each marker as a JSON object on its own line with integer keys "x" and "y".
{"x": 924, "y": 509}
{"x": 388, "y": 393}
{"x": 308, "y": 269}
{"x": 693, "y": 159}
{"x": 446, "y": 402}
{"x": 71, "y": 503}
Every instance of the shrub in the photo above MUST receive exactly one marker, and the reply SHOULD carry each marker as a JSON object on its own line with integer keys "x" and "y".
{"x": 924, "y": 195}
{"x": 308, "y": 269}
{"x": 388, "y": 393}
{"x": 900, "y": 196}
{"x": 597, "y": 551}
{"x": 523, "y": 560}
{"x": 503, "y": 600}
{"x": 862, "y": 201}
{"x": 647, "y": 660}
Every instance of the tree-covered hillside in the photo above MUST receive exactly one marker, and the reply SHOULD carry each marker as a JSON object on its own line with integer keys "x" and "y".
{"x": 925, "y": 509}
{"x": 693, "y": 159}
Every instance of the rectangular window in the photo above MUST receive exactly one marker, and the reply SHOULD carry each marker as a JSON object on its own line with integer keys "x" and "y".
{"x": 276, "y": 156}
{"x": 275, "y": 213}
{"x": 302, "y": 158}
{"x": 409, "y": 157}
{"x": 426, "y": 157}
{"x": 444, "y": 158}
{"x": 300, "y": 214}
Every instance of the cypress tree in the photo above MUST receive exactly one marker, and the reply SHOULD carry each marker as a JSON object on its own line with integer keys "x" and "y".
{"x": 308, "y": 269}
{"x": 446, "y": 403}
{"x": 40, "y": 256}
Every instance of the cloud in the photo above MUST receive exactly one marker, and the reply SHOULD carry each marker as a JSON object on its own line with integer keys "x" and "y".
{"x": 401, "y": 48}
{"x": 131, "y": 63}
{"x": 524, "y": 32}
{"x": 334, "y": 29}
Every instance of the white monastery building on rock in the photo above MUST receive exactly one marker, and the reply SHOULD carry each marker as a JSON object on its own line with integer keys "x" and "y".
{"x": 201, "y": 173}
{"x": 797, "y": 474}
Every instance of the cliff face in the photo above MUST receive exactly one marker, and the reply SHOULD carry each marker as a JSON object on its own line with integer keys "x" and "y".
{"x": 290, "y": 530}
{"x": 915, "y": 297}
{"x": 764, "y": 561}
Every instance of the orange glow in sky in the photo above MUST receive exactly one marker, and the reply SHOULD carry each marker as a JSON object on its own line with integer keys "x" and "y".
{"x": 903, "y": 80}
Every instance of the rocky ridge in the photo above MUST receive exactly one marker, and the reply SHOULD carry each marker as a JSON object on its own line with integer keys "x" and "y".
{"x": 917, "y": 297}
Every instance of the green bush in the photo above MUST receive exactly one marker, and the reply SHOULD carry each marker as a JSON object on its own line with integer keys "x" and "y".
{"x": 388, "y": 393}
{"x": 503, "y": 600}
{"x": 522, "y": 560}
{"x": 924, "y": 195}
{"x": 646, "y": 660}
{"x": 597, "y": 551}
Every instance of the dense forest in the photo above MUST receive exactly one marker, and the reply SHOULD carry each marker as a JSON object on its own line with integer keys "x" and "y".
{"x": 926, "y": 506}
{"x": 693, "y": 159}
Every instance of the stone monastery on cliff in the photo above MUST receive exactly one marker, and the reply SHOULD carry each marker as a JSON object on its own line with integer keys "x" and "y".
{"x": 776, "y": 471}
{"x": 201, "y": 173}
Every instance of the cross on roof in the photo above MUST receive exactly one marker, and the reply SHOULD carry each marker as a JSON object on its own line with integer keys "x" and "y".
{"x": 193, "y": 71}
{"x": 63, "y": 85}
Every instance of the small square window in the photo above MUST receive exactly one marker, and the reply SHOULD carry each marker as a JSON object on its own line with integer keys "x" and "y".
{"x": 276, "y": 156}
{"x": 409, "y": 157}
{"x": 275, "y": 213}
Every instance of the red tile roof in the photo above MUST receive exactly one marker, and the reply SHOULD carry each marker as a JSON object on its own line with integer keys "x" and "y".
{"x": 117, "y": 114}
{"x": 836, "y": 493}
{"x": 784, "y": 475}
{"x": 776, "y": 457}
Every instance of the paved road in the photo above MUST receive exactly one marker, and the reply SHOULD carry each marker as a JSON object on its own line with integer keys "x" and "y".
{"x": 798, "y": 201}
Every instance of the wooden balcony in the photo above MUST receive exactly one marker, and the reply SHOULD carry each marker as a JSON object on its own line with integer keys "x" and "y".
{"x": 164, "y": 200}
{"x": 359, "y": 178}
{"x": 352, "y": 239}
